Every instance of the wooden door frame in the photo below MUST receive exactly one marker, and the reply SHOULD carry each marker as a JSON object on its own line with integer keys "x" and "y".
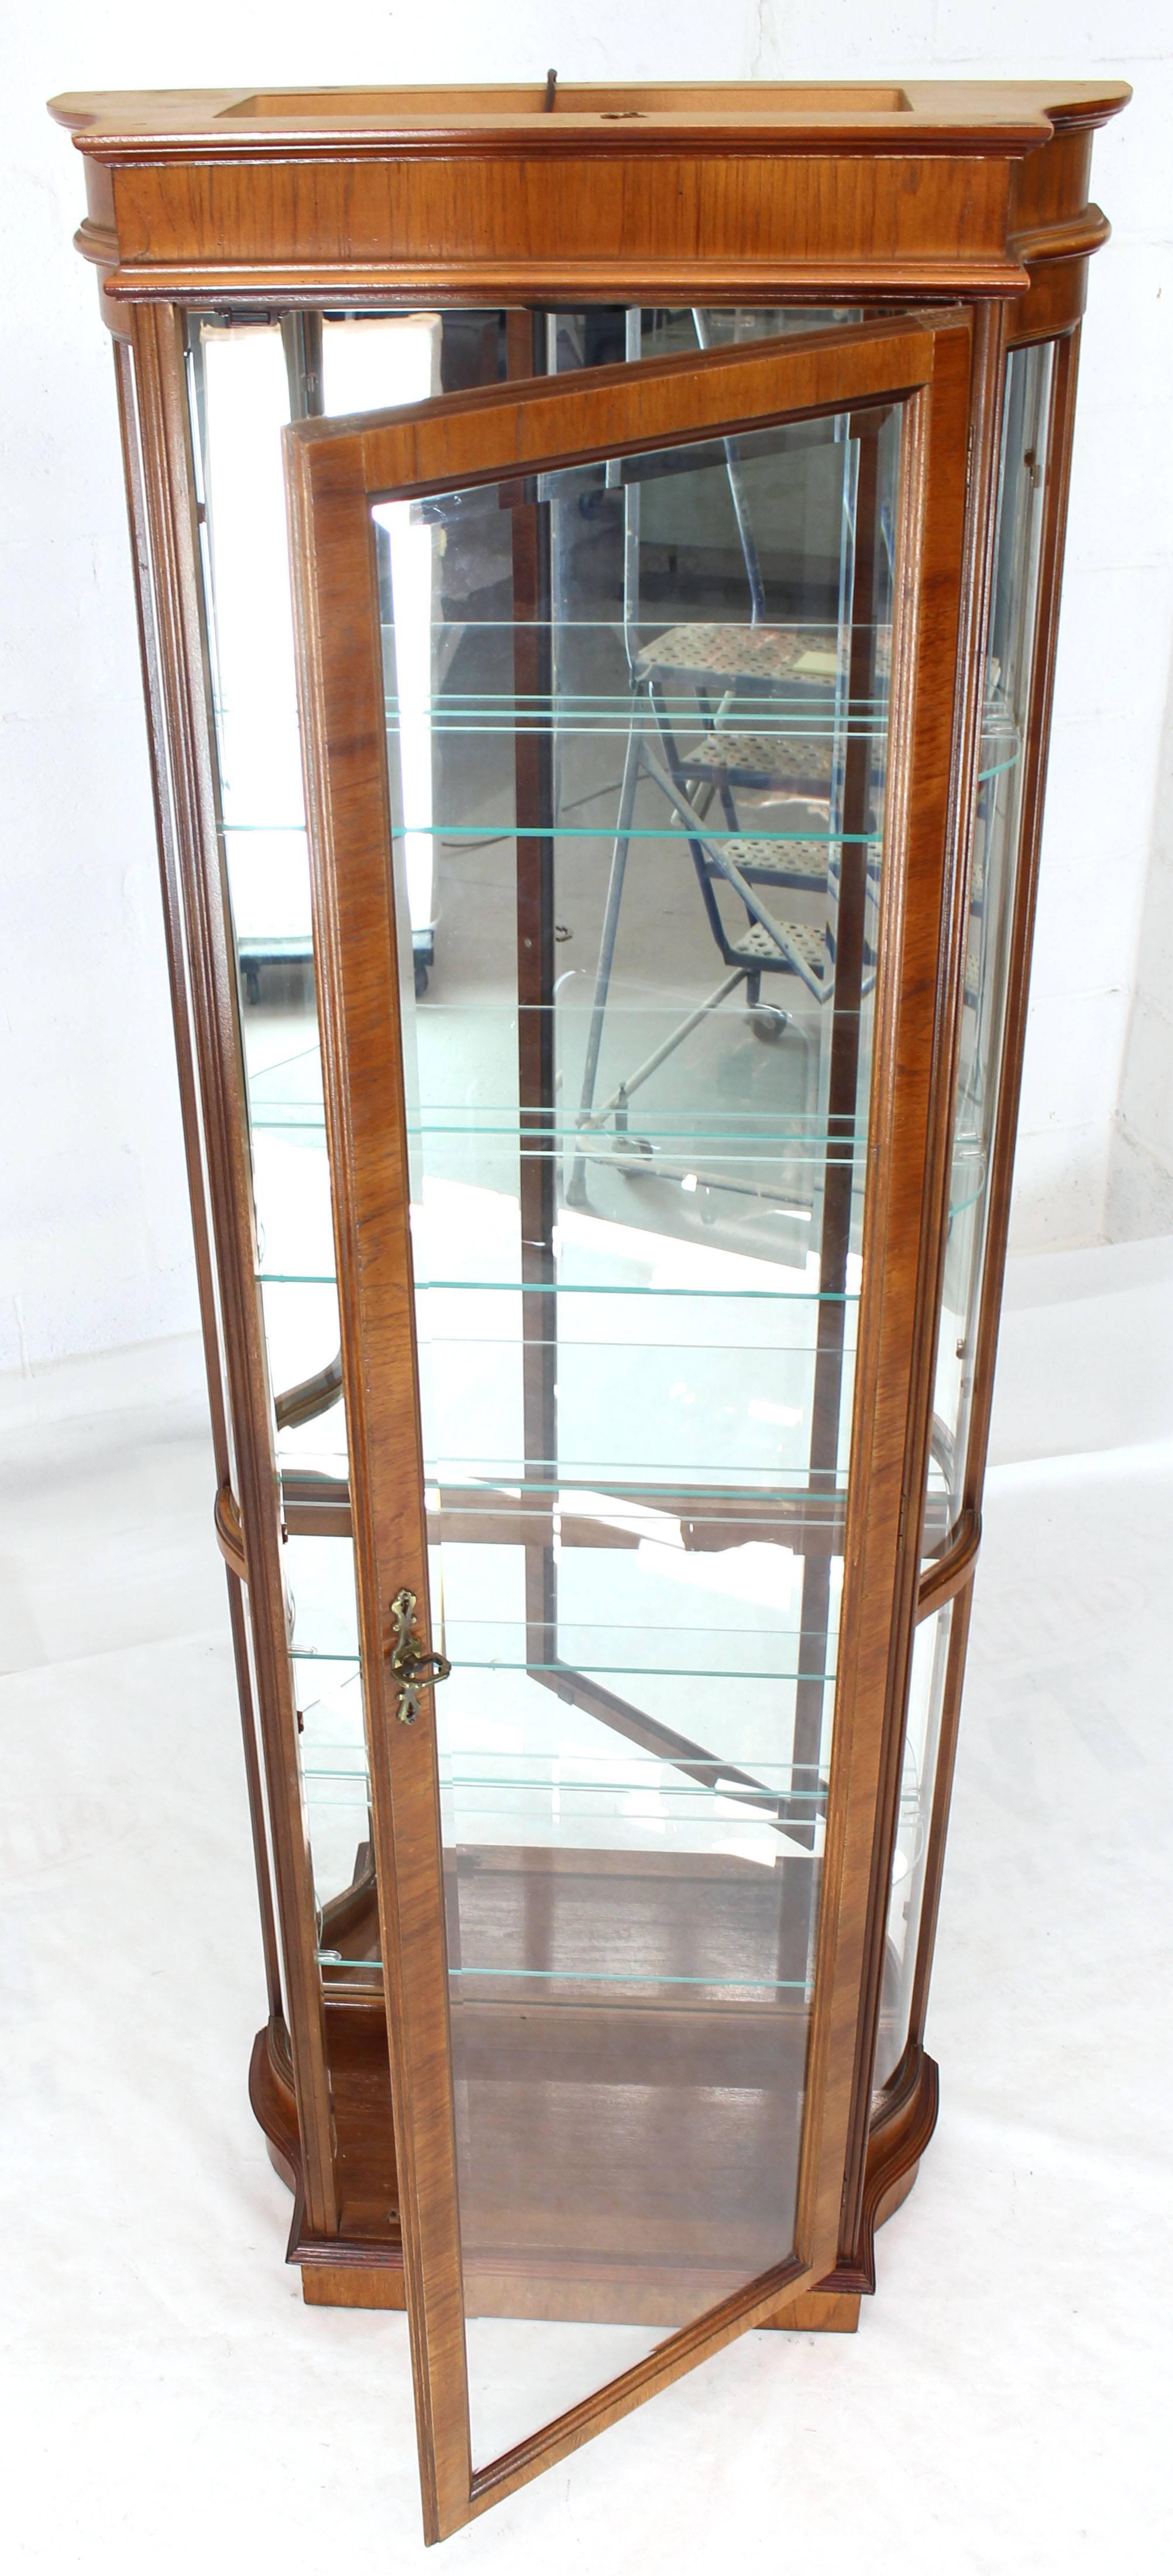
{"x": 335, "y": 470}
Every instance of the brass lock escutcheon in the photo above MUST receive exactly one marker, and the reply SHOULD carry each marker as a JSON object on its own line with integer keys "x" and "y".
{"x": 414, "y": 1667}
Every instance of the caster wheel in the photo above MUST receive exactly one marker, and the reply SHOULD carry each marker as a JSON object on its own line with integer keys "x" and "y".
{"x": 421, "y": 979}
{"x": 769, "y": 1025}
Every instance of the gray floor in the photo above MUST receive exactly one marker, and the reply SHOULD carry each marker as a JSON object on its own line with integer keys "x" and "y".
{"x": 166, "y": 2398}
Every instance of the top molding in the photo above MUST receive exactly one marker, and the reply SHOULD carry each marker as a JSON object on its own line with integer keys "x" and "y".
{"x": 673, "y": 193}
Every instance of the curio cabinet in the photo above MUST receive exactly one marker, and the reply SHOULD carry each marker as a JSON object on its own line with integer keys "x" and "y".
{"x": 598, "y": 559}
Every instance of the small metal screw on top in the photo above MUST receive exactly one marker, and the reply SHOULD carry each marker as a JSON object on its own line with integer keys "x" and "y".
{"x": 414, "y": 1666}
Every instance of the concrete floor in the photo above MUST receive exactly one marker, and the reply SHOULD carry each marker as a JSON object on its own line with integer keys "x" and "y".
{"x": 167, "y": 2399}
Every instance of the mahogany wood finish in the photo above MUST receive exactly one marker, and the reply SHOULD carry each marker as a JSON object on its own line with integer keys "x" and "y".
{"x": 964, "y": 213}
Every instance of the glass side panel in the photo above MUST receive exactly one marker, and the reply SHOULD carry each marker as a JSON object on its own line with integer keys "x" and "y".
{"x": 993, "y": 883}
{"x": 247, "y": 379}
{"x": 637, "y": 724}
{"x": 926, "y": 1698}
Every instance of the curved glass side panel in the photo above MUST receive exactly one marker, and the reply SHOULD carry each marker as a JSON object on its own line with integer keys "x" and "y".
{"x": 926, "y": 1698}
{"x": 247, "y": 378}
{"x": 637, "y": 731}
{"x": 992, "y": 890}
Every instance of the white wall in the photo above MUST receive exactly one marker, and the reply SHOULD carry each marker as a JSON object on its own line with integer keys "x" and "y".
{"x": 1140, "y": 1167}
{"x": 96, "y": 1249}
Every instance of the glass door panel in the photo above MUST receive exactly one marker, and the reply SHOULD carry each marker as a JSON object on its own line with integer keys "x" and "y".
{"x": 608, "y": 1183}
{"x": 637, "y": 713}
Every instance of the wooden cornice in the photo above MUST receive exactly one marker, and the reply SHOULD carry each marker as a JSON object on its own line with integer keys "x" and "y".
{"x": 755, "y": 192}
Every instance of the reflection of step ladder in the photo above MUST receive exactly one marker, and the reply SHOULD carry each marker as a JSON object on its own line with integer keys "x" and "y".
{"x": 695, "y": 778}
{"x": 722, "y": 686}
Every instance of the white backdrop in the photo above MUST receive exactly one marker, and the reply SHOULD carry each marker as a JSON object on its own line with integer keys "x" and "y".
{"x": 94, "y": 1234}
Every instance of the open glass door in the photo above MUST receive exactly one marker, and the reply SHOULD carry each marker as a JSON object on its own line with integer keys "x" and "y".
{"x": 651, "y": 671}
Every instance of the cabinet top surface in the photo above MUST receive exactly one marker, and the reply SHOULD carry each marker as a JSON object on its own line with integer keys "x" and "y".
{"x": 962, "y": 116}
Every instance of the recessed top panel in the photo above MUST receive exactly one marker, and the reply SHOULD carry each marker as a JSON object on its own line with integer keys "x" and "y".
{"x": 964, "y": 114}
{"x": 578, "y": 99}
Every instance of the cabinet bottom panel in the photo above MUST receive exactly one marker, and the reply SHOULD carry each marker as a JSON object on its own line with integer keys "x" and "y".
{"x": 623, "y": 2276}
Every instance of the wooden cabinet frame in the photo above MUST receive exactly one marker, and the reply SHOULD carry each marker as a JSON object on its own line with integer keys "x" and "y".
{"x": 966, "y": 216}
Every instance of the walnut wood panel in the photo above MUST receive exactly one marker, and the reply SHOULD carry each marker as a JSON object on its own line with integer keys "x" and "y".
{"x": 229, "y": 1534}
{"x": 1053, "y": 304}
{"x": 675, "y": 193}
{"x": 348, "y": 2285}
{"x": 274, "y": 2102}
{"x": 1055, "y": 227}
{"x": 633, "y": 216}
{"x": 940, "y": 1580}
{"x": 902, "y": 2125}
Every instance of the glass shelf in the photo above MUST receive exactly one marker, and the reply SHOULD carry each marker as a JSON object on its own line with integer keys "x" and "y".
{"x": 552, "y": 1139}
{"x": 597, "y": 1652}
{"x": 615, "y": 1982}
{"x": 555, "y": 1136}
{"x": 638, "y": 1780}
{"x": 666, "y": 1489}
{"x": 676, "y": 836}
{"x": 516, "y": 1287}
{"x": 799, "y": 831}
{"x": 615, "y": 1977}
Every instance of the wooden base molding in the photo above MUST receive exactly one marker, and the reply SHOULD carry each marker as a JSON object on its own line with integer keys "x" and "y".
{"x": 353, "y": 2285}
{"x": 364, "y": 2270}
{"x": 816, "y": 2312}
{"x": 902, "y": 2125}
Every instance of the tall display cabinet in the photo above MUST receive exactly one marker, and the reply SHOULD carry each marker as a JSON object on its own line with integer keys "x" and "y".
{"x": 598, "y": 559}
